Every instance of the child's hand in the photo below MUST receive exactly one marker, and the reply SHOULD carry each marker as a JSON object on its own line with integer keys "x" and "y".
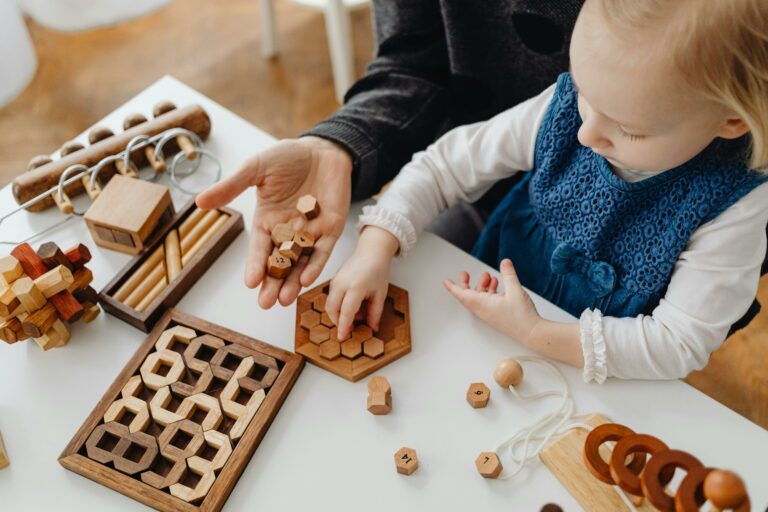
{"x": 512, "y": 311}
{"x": 364, "y": 277}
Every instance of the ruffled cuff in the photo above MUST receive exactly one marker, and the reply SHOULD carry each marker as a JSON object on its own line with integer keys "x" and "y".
{"x": 400, "y": 227}
{"x": 593, "y": 346}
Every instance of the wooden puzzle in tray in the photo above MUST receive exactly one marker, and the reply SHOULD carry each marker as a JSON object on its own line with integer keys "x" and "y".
{"x": 365, "y": 351}
{"x": 181, "y": 421}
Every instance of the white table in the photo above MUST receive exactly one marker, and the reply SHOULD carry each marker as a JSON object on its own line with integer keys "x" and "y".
{"x": 325, "y": 451}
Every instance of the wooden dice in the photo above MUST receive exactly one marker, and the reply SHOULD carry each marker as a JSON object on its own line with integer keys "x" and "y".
{"x": 379, "y": 396}
{"x": 488, "y": 465}
{"x": 406, "y": 461}
{"x": 478, "y": 395}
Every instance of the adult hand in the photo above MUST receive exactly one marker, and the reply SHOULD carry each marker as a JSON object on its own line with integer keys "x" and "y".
{"x": 282, "y": 174}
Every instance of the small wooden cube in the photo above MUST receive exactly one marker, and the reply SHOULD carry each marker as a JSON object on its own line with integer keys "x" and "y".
{"x": 127, "y": 212}
{"x": 4, "y": 462}
{"x": 478, "y": 395}
{"x": 290, "y": 250}
{"x": 488, "y": 465}
{"x": 308, "y": 206}
{"x": 29, "y": 294}
{"x": 10, "y": 270}
{"x": 406, "y": 461}
{"x": 282, "y": 233}
{"x": 54, "y": 281}
{"x": 278, "y": 266}
{"x": 373, "y": 348}
{"x": 305, "y": 240}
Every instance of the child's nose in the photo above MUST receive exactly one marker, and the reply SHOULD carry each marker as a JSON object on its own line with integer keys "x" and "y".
{"x": 591, "y": 136}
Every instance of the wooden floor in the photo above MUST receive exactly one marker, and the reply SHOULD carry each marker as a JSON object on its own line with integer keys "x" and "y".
{"x": 215, "y": 48}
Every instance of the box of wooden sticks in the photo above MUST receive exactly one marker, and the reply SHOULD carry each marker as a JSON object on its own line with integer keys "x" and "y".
{"x": 159, "y": 277}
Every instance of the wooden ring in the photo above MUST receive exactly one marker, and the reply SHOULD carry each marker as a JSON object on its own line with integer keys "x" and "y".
{"x": 595, "y": 463}
{"x": 634, "y": 443}
{"x": 653, "y": 487}
{"x": 690, "y": 494}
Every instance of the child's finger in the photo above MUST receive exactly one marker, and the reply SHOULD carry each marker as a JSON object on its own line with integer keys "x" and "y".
{"x": 333, "y": 302}
{"x": 467, "y": 297}
{"x": 375, "y": 308}
{"x": 464, "y": 279}
{"x": 350, "y": 305}
{"x": 483, "y": 282}
{"x": 509, "y": 276}
{"x": 494, "y": 286}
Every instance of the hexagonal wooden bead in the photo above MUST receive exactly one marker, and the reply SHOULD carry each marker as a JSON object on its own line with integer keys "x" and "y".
{"x": 379, "y": 403}
{"x": 330, "y": 350}
{"x": 478, "y": 395}
{"x": 308, "y": 207}
{"x": 406, "y": 461}
{"x": 290, "y": 250}
{"x": 379, "y": 384}
{"x": 282, "y": 233}
{"x": 278, "y": 266}
{"x": 319, "y": 334}
{"x": 373, "y": 348}
{"x": 305, "y": 240}
{"x": 488, "y": 464}
{"x": 309, "y": 319}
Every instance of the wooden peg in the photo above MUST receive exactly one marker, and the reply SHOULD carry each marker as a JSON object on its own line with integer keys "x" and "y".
{"x": 478, "y": 395}
{"x": 149, "y": 151}
{"x": 379, "y": 396}
{"x": 52, "y": 256}
{"x": 10, "y": 330}
{"x": 278, "y": 266}
{"x": 28, "y": 294}
{"x": 10, "y": 270}
{"x": 282, "y": 233}
{"x": 172, "y": 254}
{"x": 8, "y": 301}
{"x": 215, "y": 228}
{"x": 488, "y": 465}
{"x": 305, "y": 240}
{"x": 152, "y": 295}
{"x": 508, "y": 372}
{"x": 54, "y": 281}
{"x": 406, "y": 461}
{"x": 290, "y": 250}
{"x": 36, "y": 324}
{"x": 91, "y": 312}
{"x": 38, "y": 161}
{"x": 78, "y": 255}
{"x": 4, "y": 462}
{"x": 147, "y": 285}
{"x": 97, "y": 134}
{"x": 308, "y": 206}
{"x": 184, "y": 142}
{"x": 148, "y": 267}
{"x": 191, "y": 221}
{"x": 200, "y": 228}
{"x": 62, "y": 200}
{"x": 81, "y": 279}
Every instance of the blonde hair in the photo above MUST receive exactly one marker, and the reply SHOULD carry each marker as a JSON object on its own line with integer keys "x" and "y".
{"x": 720, "y": 48}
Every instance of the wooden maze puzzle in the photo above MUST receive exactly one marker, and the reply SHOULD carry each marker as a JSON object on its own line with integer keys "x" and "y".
{"x": 181, "y": 421}
{"x": 364, "y": 351}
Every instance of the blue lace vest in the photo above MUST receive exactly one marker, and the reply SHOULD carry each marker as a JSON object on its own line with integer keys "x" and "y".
{"x": 582, "y": 238}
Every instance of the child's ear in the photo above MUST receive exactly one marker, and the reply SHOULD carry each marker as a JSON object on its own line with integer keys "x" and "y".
{"x": 733, "y": 128}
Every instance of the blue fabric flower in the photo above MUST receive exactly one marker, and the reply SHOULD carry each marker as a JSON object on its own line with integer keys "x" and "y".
{"x": 600, "y": 276}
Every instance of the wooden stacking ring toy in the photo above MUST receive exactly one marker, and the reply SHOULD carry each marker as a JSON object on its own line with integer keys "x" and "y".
{"x": 690, "y": 494}
{"x": 595, "y": 463}
{"x": 652, "y": 478}
{"x": 634, "y": 443}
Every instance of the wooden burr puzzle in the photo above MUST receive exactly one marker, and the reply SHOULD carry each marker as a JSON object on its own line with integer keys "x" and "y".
{"x": 181, "y": 421}
{"x": 43, "y": 292}
{"x": 364, "y": 351}
{"x": 175, "y": 259}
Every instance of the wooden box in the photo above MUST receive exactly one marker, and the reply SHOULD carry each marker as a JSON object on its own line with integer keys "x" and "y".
{"x": 172, "y": 293}
{"x": 127, "y": 212}
{"x": 193, "y": 461}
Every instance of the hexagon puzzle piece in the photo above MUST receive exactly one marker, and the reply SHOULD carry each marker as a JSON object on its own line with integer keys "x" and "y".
{"x": 478, "y": 395}
{"x": 406, "y": 461}
{"x": 488, "y": 464}
{"x": 365, "y": 351}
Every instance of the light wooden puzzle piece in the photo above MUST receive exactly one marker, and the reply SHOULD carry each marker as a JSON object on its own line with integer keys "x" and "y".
{"x": 131, "y": 404}
{"x": 153, "y": 365}
{"x": 10, "y": 270}
{"x": 28, "y": 294}
{"x": 4, "y": 462}
{"x": 223, "y": 447}
{"x": 282, "y": 233}
{"x": 305, "y": 241}
{"x": 308, "y": 206}
{"x": 242, "y": 414}
{"x": 290, "y": 250}
{"x": 278, "y": 266}
{"x": 158, "y": 404}
{"x": 478, "y": 395}
{"x": 406, "y": 461}
{"x": 379, "y": 396}
{"x": 488, "y": 465}
{"x": 205, "y": 403}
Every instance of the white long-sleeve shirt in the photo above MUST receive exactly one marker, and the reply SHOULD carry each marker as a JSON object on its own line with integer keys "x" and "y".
{"x": 714, "y": 281}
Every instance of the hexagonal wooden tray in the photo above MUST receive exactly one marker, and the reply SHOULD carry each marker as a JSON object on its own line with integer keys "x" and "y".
{"x": 149, "y": 443}
{"x": 360, "y": 355}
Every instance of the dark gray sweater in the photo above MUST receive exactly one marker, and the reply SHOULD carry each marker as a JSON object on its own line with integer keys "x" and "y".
{"x": 442, "y": 63}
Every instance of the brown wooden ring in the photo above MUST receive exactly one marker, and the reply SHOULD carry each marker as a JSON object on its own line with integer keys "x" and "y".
{"x": 690, "y": 494}
{"x": 602, "y": 434}
{"x": 651, "y": 479}
{"x": 622, "y": 476}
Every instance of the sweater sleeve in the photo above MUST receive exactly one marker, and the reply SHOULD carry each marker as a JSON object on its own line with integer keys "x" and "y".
{"x": 713, "y": 284}
{"x": 460, "y": 166}
{"x": 398, "y": 107}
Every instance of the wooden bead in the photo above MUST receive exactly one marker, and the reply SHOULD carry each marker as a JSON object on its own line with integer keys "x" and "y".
{"x": 551, "y": 507}
{"x": 132, "y": 120}
{"x": 725, "y": 489}
{"x": 508, "y": 372}
{"x": 406, "y": 461}
{"x": 38, "y": 161}
{"x": 278, "y": 266}
{"x": 162, "y": 107}
{"x": 627, "y": 445}
{"x": 282, "y": 233}
{"x": 290, "y": 250}
{"x": 478, "y": 395}
{"x": 305, "y": 240}
{"x": 659, "y": 471}
{"x": 488, "y": 465}
{"x": 308, "y": 207}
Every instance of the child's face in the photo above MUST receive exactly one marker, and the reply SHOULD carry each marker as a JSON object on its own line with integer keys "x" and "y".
{"x": 635, "y": 111}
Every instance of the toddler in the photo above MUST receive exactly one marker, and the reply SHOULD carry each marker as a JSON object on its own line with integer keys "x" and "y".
{"x": 643, "y": 204}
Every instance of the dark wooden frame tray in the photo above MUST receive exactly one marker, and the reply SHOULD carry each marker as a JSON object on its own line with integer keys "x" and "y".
{"x": 177, "y": 288}
{"x": 73, "y": 457}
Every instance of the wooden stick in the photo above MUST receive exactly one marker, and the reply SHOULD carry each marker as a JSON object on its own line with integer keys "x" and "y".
{"x": 191, "y": 221}
{"x": 196, "y": 232}
{"x": 153, "y": 293}
{"x": 203, "y": 239}
{"x": 141, "y": 291}
{"x": 141, "y": 273}
{"x": 172, "y": 254}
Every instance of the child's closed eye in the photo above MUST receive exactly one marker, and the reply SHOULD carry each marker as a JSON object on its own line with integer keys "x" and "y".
{"x": 631, "y": 136}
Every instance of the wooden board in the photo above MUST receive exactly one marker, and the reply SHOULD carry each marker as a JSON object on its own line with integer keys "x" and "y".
{"x": 192, "y": 271}
{"x": 353, "y": 365}
{"x": 130, "y": 382}
{"x": 564, "y": 458}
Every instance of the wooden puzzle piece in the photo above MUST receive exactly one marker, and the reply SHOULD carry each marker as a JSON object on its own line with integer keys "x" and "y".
{"x": 52, "y": 256}
{"x": 308, "y": 206}
{"x": 29, "y": 294}
{"x": 180, "y": 440}
{"x": 488, "y": 465}
{"x": 10, "y": 270}
{"x": 406, "y": 461}
{"x": 54, "y": 281}
{"x": 352, "y": 349}
{"x": 223, "y": 447}
{"x": 330, "y": 349}
{"x": 8, "y": 301}
{"x": 194, "y": 382}
{"x": 176, "y": 334}
{"x": 82, "y": 277}
{"x": 278, "y": 266}
{"x": 290, "y": 250}
{"x": 153, "y": 371}
{"x": 379, "y": 396}
{"x": 201, "y": 350}
{"x": 199, "y": 489}
{"x": 282, "y": 233}
{"x": 310, "y": 319}
{"x": 319, "y": 334}
{"x": 325, "y": 319}
{"x": 205, "y": 403}
{"x": 79, "y": 255}
{"x": 4, "y": 461}
{"x": 305, "y": 241}
{"x": 91, "y": 312}
{"x": 373, "y": 348}
{"x": 241, "y": 413}
{"x": 259, "y": 373}
{"x": 172, "y": 254}
{"x": 57, "y": 336}
{"x": 158, "y": 407}
{"x": 128, "y": 452}
{"x": 164, "y": 472}
{"x": 131, "y": 404}
{"x": 478, "y": 395}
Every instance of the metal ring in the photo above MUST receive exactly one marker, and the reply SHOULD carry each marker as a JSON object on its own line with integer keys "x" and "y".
{"x": 99, "y": 166}
{"x": 64, "y": 175}
{"x": 177, "y": 159}
{"x": 172, "y": 134}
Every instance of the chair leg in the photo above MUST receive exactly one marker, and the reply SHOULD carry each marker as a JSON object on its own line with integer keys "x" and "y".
{"x": 338, "y": 27}
{"x": 269, "y": 37}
